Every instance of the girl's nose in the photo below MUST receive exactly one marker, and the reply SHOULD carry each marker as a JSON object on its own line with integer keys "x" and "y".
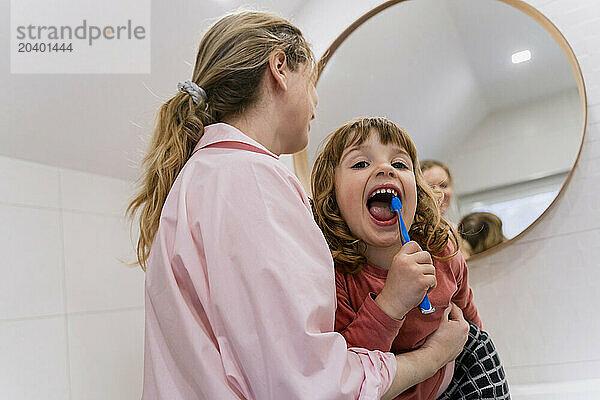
{"x": 385, "y": 170}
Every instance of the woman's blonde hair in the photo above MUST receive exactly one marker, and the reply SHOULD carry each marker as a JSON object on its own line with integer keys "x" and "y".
{"x": 429, "y": 229}
{"x": 231, "y": 62}
{"x": 482, "y": 230}
{"x": 427, "y": 164}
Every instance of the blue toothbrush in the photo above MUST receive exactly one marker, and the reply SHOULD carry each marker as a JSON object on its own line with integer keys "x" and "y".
{"x": 425, "y": 305}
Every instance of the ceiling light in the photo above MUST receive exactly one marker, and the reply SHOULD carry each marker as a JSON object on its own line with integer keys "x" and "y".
{"x": 521, "y": 56}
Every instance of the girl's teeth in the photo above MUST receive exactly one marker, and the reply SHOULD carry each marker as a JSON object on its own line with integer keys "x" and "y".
{"x": 391, "y": 191}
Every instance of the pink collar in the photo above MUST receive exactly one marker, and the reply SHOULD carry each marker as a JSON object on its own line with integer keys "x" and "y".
{"x": 223, "y": 135}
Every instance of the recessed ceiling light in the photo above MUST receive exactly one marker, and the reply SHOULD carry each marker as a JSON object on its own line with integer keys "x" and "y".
{"x": 521, "y": 56}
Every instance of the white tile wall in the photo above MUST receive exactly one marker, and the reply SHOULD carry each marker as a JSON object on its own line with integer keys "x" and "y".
{"x": 62, "y": 239}
{"x": 545, "y": 294}
{"x": 94, "y": 193}
{"x": 538, "y": 297}
{"x": 563, "y": 372}
{"x": 106, "y": 355}
{"x": 33, "y": 364}
{"x": 31, "y": 266}
{"x": 27, "y": 183}
{"x": 96, "y": 276}
{"x": 579, "y": 389}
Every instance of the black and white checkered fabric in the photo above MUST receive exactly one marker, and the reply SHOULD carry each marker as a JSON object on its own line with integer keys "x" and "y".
{"x": 478, "y": 373}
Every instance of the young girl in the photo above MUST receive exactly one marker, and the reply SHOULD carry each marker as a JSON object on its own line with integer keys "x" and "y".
{"x": 362, "y": 166}
{"x": 239, "y": 280}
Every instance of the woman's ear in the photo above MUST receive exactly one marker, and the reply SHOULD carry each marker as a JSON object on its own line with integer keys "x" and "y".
{"x": 278, "y": 69}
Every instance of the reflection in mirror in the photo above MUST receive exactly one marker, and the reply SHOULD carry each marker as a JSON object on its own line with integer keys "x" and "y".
{"x": 479, "y": 85}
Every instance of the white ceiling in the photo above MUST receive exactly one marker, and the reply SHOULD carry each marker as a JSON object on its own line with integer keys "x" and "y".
{"x": 438, "y": 67}
{"x": 99, "y": 122}
{"x": 441, "y": 75}
{"x": 490, "y": 32}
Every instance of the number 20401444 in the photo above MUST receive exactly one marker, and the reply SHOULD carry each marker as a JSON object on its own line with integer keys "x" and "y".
{"x": 44, "y": 47}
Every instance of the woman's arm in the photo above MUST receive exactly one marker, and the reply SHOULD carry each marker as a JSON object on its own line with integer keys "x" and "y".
{"x": 443, "y": 346}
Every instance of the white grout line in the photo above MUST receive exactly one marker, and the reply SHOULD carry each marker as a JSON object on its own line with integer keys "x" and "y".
{"x": 555, "y": 364}
{"x": 30, "y": 318}
{"x": 45, "y": 208}
{"x": 97, "y": 312}
{"x": 71, "y": 314}
{"x": 64, "y": 284}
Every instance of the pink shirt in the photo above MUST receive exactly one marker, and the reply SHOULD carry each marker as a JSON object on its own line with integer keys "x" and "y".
{"x": 240, "y": 289}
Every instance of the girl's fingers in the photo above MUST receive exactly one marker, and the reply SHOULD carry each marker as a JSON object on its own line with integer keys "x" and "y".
{"x": 431, "y": 282}
{"x": 422, "y": 257}
{"x": 427, "y": 269}
{"x": 411, "y": 247}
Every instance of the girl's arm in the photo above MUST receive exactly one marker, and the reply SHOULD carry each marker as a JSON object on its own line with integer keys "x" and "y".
{"x": 369, "y": 326}
{"x": 375, "y": 322}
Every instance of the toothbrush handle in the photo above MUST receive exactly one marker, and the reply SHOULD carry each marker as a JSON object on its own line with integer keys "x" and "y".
{"x": 425, "y": 306}
{"x": 404, "y": 237}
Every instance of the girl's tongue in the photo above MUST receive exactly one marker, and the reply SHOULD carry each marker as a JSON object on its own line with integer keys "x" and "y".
{"x": 381, "y": 210}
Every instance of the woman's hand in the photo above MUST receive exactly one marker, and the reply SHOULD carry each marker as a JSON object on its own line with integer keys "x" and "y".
{"x": 441, "y": 347}
{"x": 450, "y": 338}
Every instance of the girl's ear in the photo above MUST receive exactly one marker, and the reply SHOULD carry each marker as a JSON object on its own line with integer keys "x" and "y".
{"x": 278, "y": 69}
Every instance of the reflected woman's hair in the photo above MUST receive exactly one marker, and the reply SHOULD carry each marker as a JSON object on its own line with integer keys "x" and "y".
{"x": 481, "y": 230}
{"x": 426, "y": 164}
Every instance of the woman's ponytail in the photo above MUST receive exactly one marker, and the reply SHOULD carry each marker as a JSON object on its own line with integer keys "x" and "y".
{"x": 179, "y": 126}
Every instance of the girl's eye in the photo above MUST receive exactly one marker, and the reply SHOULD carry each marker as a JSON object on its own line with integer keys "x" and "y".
{"x": 400, "y": 165}
{"x": 360, "y": 164}
{"x": 443, "y": 185}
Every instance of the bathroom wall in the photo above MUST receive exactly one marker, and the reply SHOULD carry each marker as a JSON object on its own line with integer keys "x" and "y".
{"x": 537, "y": 295}
{"x": 71, "y": 313}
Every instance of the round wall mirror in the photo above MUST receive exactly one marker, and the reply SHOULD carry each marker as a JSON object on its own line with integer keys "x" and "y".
{"x": 488, "y": 88}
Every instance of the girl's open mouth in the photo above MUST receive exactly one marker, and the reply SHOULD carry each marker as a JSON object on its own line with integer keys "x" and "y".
{"x": 379, "y": 207}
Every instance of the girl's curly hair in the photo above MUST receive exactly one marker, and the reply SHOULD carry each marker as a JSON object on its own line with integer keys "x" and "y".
{"x": 429, "y": 228}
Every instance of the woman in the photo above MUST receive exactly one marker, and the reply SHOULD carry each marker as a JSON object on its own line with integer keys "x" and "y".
{"x": 438, "y": 177}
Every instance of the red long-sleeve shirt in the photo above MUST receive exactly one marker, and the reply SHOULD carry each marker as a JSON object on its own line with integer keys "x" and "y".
{"x": 360, "y": 320}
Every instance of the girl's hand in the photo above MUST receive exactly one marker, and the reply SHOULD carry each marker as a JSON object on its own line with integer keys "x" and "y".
{"x": 410, "y": 277}
{"x": 448, "y": 340}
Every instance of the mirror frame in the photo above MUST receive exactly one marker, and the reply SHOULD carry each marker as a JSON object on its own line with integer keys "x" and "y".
{"x": 300, "y": 159}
